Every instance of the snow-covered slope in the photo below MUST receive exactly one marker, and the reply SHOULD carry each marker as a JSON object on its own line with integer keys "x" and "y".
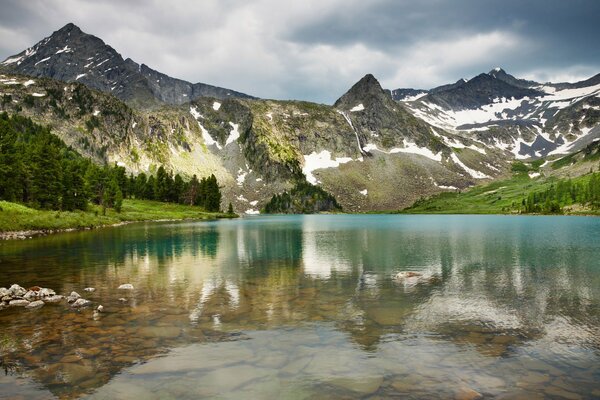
{"x": 523, "y": 117}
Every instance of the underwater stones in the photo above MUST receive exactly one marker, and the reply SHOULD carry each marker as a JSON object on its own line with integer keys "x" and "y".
{"x": 466, "y": 393}
{"x": 362, "y": 385}
{"x": 3, "y": 292}
{"x": 561, "y": 393}
{"x": 73, "y": 297}
{"x": 73, "y": 373}
{"x": 90, "y": 352}
{"x": 123, "y": 300}
{"x": 159, "y": 332}
{"x": 71, "y": 358}
{"x": 407, "y": 274}
{"x": 126, "y": 286}
{"x": 89, "y": 289}
{"x": 81, "y": 303}
{"x": 100, "y": 308}
{"x": 35, "y": 304}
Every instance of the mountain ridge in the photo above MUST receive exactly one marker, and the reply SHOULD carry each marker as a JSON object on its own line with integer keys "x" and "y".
{"x": 69, "y": 54}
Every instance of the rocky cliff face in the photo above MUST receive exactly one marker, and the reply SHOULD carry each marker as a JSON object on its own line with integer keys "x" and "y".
{"x": 71, "y": 55}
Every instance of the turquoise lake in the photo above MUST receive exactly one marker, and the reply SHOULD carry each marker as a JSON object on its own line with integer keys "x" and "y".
{"x": 305, "y": 307}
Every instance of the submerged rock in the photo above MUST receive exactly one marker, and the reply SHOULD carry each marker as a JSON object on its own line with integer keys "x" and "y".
{"x": 81, "y": 303}
{"x": 123, "y": 300}
{"x": 126, "y": 286}
{"x": 53, "y": 299}
{"x": 3, "y": 292}
{"x": 35, "y": 304}
{"x": 407, "y": 274}
{"x": 73, "y": 297}
{"x": 100, "y": 308}
{"x": 89, "y": 289}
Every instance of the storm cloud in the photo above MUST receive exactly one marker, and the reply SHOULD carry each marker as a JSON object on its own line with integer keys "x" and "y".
{"x": 316, "y": 49}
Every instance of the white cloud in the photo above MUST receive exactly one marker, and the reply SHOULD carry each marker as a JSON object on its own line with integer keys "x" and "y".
{"x": 567, "y": 74}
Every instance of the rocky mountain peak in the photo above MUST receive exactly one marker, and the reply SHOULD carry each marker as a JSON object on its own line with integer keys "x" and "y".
{"x": 366, "y": 91}
{"x": 71, "y": 55}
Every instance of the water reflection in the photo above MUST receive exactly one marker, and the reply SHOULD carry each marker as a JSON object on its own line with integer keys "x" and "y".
{"x": 316, "y": 303}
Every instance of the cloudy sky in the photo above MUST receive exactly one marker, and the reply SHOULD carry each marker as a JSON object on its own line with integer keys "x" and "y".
{"x": 316, "y": 49}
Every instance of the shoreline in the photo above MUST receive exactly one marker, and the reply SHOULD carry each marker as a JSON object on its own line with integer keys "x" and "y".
{"x": 34, "y": 233}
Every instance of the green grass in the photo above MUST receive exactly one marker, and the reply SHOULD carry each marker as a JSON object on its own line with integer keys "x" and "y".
{"x": 17, "y": 217}
{"x": 499, "y": 197}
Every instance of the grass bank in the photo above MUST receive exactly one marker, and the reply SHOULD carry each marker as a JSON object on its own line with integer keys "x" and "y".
{"x": 16, "y": 217}
{"x": 499, "y": 197}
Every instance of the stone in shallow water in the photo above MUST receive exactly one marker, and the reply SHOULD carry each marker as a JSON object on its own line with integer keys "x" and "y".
{"x": 126, "y": 286}
{"x": 81, "y": 303}
{"x": 89, "y": 289}
{"x": 466, "y": 393}
{"x": 16, "y": 291}
{"x": 197, "y": 357}
{"x": 71, "y": 358}
{"x": 561, "y": 393}
{"x": 73, "y": 297}
{"x": 30, "y": 295}
{"x": 159, "y": 332}
{"x": 90, "y": 352}
{"x": 387, "y": 316}
{"x": 35, "y": 304}
{"x": 73, "y": 373}
{"x": 223, "y": 380}
{"x": 45, "y": 292}
{"x": 18, "y": 303}
{"x": 53, "y": 299}
{"x": 363, "y": 385}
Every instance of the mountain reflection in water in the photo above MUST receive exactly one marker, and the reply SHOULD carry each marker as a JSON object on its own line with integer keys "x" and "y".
{"x": 306, "y": 306}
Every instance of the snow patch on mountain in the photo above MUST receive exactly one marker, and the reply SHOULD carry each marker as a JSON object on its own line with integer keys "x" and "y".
{"x": 234, "y": 134}
{"x": 216, "y": 105}
{"x": 475, "y": 174}
{"x": 314, "y": 161}
{"x": 359, "y": 107}
{"x": 414, "y": 149}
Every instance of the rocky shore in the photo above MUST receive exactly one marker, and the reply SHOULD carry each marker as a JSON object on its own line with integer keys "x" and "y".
{"x": 36, "y": 297}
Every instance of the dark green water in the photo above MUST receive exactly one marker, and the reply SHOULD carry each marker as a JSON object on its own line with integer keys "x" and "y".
{"x": 307, "y": 307}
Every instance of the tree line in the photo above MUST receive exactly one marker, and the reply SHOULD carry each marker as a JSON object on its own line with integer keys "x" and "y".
{"x": 40, "y": 170}
{"x": 565, "y": 192}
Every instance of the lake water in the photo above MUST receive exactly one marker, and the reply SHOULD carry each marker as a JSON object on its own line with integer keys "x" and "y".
{"x": 307, "y": 307}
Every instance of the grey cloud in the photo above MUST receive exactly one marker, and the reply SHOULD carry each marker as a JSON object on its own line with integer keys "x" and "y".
{"x": 316, "y": 49}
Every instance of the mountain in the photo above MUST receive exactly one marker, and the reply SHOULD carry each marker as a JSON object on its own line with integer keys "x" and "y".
{"x": 71, "y": 55}
{"x": 526, "y": 118}
{"x": 476, "y": 92}
{"x": 501, "y": 74}
{"x": 367, "y": 150}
